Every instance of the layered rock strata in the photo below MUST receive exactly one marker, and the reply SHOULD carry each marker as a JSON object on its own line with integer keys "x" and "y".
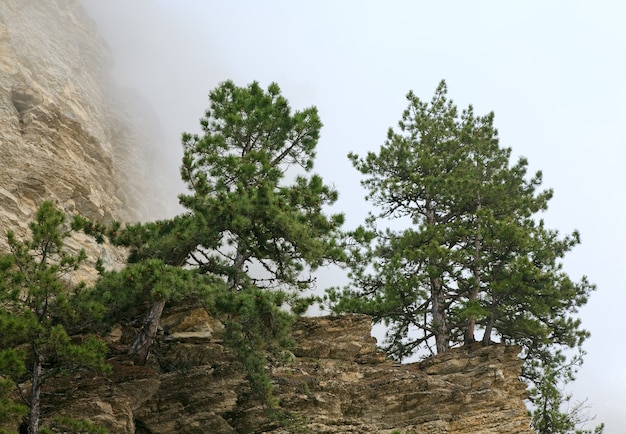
{"x": 68, "y": 133}
{"x": 65, "y": 129}
{"x": 336, "y": 382}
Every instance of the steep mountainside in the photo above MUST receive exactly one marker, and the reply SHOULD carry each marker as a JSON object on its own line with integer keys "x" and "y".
{"x": 65, "y": 132}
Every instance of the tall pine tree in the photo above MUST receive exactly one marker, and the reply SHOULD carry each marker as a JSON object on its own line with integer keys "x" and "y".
{"x": 237, "y": 173}
{"x": 253, "y": 231}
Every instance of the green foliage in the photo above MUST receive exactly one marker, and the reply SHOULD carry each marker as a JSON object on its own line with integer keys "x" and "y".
{"x": 126, "y": 292}
{"x": 552, "y": 409}
{"x": 171, "y": 241}
{"x": 473, "y": 257}
{"x": 10, "y": 411}
{"x": 259, "y": 231}
{"x": 253, "y": 228}
{"x": 37, "y": 308}
{"x": 249, "y": 239}
{"x": 236, "y": 174}
{"x": 256, "y": 325}
{"x": 255, "y": 322}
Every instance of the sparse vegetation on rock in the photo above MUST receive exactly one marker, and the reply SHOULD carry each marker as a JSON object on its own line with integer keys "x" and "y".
{"x": 199, "y": 311}
{"x": 38, "y": 312}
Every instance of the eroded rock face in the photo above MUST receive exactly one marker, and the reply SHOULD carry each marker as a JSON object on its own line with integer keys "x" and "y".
{"x": 68, "y": 133}
{"x": 337, "y": 382}
{"x": 347, "y": 385}
{"x": 55, "y": 144}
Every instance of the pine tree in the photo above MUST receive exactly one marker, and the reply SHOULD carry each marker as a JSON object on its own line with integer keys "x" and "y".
{"x": 237, "y": 176}
{"x": 260, "y": 233}
{"x": 37, "y": 308}
{"x": 474, "y": 255}
{"x": 253, "y": 231}
{"x": 548, "y": 399}
{"x": 413, "y": 178}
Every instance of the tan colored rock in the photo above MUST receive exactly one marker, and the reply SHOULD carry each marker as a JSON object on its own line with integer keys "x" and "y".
{"x": 109, "y": 402}
{"x": 196, "y": 386}
{"x": 52, "y": 106}
{"x": 68, "y": 133}
{"x": 194, "y": 324}
{"x": 357, "y": 345}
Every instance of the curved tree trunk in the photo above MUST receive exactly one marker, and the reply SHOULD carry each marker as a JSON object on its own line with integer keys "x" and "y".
{"x": 140, "y": 347}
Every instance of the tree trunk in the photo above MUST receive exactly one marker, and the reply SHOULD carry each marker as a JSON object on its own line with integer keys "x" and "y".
{"x": 488, "y": 330}
{"x": 473, "y": 296}
{"x": 477, "y": 271}
{"x": 438, "y": 296}
{"x": 140, "y": 348}
{"x": 35, "y": 396}
{"x": 469, "y": 331}
{"x": 440, "y": 324}
{"x": 238, "y": 263}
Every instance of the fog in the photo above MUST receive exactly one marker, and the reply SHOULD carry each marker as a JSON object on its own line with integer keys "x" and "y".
{"x": 553, "y": 73}
{"x": 153, "y": 55}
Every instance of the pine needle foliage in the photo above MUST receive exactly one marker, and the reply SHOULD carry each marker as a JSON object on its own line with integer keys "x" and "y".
{"x": 38, "y": 309}
{"x": 472, "y": 257}
{"x": 254, "y": 230}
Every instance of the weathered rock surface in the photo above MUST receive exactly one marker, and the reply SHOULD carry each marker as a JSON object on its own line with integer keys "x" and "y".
{"x": 67, "y": 132}
{"x": 337, "y": 382}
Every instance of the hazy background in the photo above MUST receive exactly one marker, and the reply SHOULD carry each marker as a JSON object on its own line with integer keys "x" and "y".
{"x": 553, "y": 72}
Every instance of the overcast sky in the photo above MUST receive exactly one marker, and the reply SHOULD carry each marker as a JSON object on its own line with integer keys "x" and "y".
{"x": 553, "y": 73}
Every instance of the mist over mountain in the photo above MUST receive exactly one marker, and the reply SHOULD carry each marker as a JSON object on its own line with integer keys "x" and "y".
{"x": 93, "y": 103}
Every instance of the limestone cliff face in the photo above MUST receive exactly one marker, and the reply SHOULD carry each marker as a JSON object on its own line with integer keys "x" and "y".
{"x": 337, "y": 382}
{"x": 65, "y": 130}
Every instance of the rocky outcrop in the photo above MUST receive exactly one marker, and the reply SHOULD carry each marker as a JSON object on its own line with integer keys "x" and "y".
{"x": 68, "y": 134}
{"x": 55, "y": 144}
{"x": 352, "y": 387}
{"x": 336, "y": 382}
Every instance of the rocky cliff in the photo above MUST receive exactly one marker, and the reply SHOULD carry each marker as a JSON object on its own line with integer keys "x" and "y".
{"x": 336, "y": 382}
{"x": 66, "y": 134}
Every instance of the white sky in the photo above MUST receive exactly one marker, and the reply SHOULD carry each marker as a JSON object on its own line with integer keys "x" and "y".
{"x": 553, "y": 73}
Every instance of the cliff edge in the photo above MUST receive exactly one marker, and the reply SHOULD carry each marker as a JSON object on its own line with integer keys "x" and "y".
{"x": 336, "y": 382}
{"x": 66, "y": 135}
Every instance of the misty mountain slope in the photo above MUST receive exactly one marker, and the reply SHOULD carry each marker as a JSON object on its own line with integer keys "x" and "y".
{"x": 68, "y": 133}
